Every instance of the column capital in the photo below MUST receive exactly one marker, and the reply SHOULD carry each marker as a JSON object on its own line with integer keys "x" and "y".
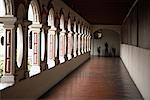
{"x": 35, "y": 26}
{"x": 63, "y": 30}
{"x": 70, "y": 32}
{"x": 79, "y": 34}
{"x": 8, "y": 21}
{"x": 53, "y": 28}
{"x": 51, "y": 32}
{"x": 75, "y": 33}
{"x": 27, "y": 23}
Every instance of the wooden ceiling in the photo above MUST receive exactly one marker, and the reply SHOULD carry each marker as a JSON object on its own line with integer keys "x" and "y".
{"x": 107, "y": 12}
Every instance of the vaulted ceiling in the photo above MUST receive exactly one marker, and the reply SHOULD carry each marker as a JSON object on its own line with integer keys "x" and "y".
{"x": 107, "y": 12}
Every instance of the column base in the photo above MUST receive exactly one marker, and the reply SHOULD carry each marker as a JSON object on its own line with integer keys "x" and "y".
{"x": 7, "y": 79}
{"x": 79, "y": 53}
{"x": 51, "y": 63}
{"x": 34, "y": 70}
{"x": 61, "y": 59}
{"x": 69, "y": 56}
{"x": 74, "y": 54}
{"x": 82, "y": 52}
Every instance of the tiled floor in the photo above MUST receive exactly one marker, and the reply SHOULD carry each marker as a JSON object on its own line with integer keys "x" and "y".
{"x": 98, "y": 79}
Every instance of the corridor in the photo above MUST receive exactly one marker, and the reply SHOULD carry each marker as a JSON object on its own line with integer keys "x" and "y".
{"x": 101, "y": 78}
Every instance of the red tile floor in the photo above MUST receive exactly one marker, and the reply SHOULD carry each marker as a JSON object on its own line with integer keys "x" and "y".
{"x": 100, "y": 78}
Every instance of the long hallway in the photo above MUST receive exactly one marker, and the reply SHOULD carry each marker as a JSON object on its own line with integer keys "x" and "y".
{"x": 98, "y": 79}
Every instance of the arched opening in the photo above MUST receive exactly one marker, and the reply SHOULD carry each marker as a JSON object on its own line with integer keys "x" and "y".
{"x": 33, "y": 14}
{"x": 34, "y": 39}
{"x": 62, "y": 22}
{"x": 30, "y": 13}
{"x": 19, "y": 45}
{"x": 2, "y": 9}
{"x": 51, "y": 18}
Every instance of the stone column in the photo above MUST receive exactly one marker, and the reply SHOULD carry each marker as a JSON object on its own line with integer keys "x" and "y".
{"x": 85, "y": 43}
{"x": 62, "y": 46}
{"x": 70, "y": 43}
{"x": 82, "y": 44}
{"x": 35, "y": 28}
{"x": 9, "y": 66}
{"x": 25, "y": 41}
{"x": 89, "y": 43}
{"x": 79, "y": 48}
{"x": 51, "y": 47}
{"x": 75, "y": 45}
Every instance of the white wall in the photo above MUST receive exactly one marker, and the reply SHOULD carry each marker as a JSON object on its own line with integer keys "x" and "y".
{"x": 137, "y": 62}
{"x": 109, "y": 36}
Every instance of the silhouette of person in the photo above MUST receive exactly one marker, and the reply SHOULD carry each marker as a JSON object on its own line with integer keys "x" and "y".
{"x": 99, "y": 51}
{"x": 106, "y": 49}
